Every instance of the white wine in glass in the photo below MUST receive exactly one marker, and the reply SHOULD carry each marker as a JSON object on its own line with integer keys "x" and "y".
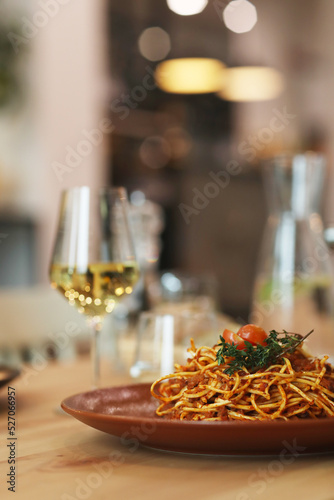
{"x": 93, "y": 263}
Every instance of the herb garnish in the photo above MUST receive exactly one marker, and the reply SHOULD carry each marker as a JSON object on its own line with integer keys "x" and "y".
{"x": 259, "y": 356}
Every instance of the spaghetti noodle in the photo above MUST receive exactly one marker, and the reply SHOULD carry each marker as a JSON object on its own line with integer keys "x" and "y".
{"x": 296, "y": 386}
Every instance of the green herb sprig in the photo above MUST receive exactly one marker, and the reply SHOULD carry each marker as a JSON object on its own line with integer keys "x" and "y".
{"x": 260, "y": 356}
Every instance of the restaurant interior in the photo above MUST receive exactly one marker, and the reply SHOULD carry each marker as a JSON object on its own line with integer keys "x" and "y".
{"x": 215, "y": 117}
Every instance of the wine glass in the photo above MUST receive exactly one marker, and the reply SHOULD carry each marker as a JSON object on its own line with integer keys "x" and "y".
{"x": 93, "y": 263}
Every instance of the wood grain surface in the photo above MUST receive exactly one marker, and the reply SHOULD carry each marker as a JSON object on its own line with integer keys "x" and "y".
{"x": 60, "y": 458}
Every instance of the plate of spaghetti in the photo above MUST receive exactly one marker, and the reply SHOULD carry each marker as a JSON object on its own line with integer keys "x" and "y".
{"x": 250, "y": 394}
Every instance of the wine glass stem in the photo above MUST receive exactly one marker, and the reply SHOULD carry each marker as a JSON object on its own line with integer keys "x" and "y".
{"x": 95, "y": 325}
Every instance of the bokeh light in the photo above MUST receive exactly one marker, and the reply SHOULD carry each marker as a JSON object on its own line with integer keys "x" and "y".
{"x": 155, "y": 152}
{"x": 137, "y": 198}
{"x": 154, "y": 44}
{"x": 187, "y": 7}
{"x": 190, "y": 75}
{"x": 240, "y": 16}
{"x": 251, "y": 83}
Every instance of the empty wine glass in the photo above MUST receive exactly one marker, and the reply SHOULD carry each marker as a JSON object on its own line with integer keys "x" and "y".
{"x": 93, "y": 263}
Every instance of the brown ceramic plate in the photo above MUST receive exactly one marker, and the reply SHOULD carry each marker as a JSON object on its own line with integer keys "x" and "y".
{"x": 7, "y": 374}
{"x": 129, "y": 412}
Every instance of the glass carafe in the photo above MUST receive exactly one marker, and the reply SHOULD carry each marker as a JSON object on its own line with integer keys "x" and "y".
{"x": 294, "y": 284}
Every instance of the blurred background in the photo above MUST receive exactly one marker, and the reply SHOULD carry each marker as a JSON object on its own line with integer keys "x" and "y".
{"x": 85, "y": 100}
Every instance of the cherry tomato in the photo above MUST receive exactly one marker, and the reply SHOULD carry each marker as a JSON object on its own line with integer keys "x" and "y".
{"x": 253, "y": 334}
{"x": 231, "y": 337}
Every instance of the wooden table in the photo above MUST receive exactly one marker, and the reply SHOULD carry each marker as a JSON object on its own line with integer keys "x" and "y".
{"x": 60, "y": 458}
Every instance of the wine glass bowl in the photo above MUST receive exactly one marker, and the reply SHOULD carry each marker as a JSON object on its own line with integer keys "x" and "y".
{"x": 93, "y": 263}
{"x": 95, "y": 290}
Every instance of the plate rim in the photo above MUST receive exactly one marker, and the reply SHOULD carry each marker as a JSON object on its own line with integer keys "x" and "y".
{"x": 160, "y": 421}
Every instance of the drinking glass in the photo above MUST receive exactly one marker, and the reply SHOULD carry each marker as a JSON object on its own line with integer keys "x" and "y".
{"x": 163, "y": 340}
{"x": 93, "y": 263}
